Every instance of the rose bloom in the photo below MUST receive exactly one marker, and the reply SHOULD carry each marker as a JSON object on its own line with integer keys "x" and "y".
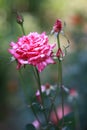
{"x": 33, "y": 49}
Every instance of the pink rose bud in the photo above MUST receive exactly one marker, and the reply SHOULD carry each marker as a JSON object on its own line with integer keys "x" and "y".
{"x": 19, "y": 18}
{"x": 57, "y": 26}
{"x": 49, "y": 88}
{"x": 60, "y": 54}
{"x": 47, "y": 85}
{"x": 73, "y": 93}
{"x": 36, "y": 124}
{"x": 38, "y": 96}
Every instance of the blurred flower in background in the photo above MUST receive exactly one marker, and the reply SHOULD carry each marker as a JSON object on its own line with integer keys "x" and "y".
{"x": 54, "y": 118}
{"x": 39, "y": 15}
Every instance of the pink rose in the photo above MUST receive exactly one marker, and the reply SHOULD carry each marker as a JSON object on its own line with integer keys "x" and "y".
{"x": 33, "y": 49}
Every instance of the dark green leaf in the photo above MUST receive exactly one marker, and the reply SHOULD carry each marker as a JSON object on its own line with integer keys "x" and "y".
{"x": 30, "y": 127}
{"x": 69, "y": 121}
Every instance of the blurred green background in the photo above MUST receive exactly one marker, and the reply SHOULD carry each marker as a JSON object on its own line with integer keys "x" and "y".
{"x": 39, "y": 16}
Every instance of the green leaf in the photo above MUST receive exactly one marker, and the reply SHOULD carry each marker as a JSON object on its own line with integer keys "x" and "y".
{"x": 69, "y": 121}
{"x": 30, "y": 127}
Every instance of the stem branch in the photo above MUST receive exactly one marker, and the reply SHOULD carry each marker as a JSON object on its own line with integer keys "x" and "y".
{"x": 22, "y": 27}
{"x": 42, "y": 101}
{"x": 60, "y": 80}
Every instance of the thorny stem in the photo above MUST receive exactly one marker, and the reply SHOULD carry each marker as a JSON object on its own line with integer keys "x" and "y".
{"x": 58, "y": 41}
{"x": 56, "y": 116}
{"x": 42, "y": 101}
{"x": 60, "y": 80}
{"x": 35, "y": 114}
{"x": 53, "y": 106}
{"x": 22, "y": 27}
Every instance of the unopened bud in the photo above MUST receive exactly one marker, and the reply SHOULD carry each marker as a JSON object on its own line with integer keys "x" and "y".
{"x": 57, "y": 26}
{"x": 60, "y": 54}
{"x": 73, "y": 94}
{"x": 36, "y": 124}
{"x": 19, "y": 18}
{"x": 38, "y": 96}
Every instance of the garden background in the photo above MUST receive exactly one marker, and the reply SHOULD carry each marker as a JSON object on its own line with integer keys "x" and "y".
{"x": 40, "y": 15}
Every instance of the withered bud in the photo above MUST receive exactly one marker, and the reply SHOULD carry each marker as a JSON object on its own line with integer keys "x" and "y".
{"x": 19, "y": 18}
